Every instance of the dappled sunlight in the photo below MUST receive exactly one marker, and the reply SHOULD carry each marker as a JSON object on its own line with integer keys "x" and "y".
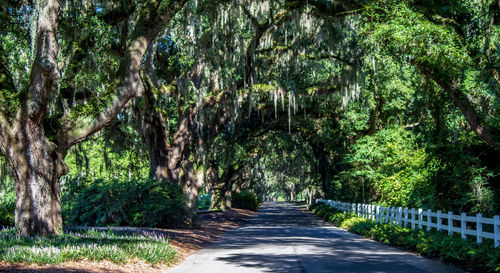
{"x": 274, "y": 241}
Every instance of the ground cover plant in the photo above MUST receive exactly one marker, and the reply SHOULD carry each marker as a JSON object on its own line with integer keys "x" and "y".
{"x": 86, "y": 245}
{"x": 452, "y": 249}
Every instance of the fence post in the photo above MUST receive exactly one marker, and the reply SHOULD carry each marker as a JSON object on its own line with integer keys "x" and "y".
{"x": 496, "y": 227}
{"x": 359, "y": 210}
{"x": 377, "y": 216}
{"x": 429, "y": 219}
{"x": 450, "y": 222}
{"x": 438, "y": 226}
{"x": 413, "y": 218}
{"x": 462, "y": 225}
{"x": 400, "y": 216}
{"x": 479, "y": 228}
{"x": 405, "y": 219}
{"x": 420, "y": 218}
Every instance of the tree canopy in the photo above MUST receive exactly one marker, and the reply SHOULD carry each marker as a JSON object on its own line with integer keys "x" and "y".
{"x": 390, "y": 102}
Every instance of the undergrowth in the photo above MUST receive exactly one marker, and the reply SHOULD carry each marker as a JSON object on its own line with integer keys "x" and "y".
{"x": 86, "y": 245}
{"x": 433, "y": 244}
{"x": 245, "y": 200}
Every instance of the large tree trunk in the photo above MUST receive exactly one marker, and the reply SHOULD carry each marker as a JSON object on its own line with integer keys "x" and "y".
{"x": 324, "y": 169}
{"x": 227, "y": 180}
{"x": 37, "y": 168}
{"x": 192, "y": 181}
{"x": 153, "y": 133}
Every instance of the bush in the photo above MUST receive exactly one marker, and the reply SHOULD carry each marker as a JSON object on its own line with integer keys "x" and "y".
{"x": 144, "y": 202}
{"x": 245, "y": 200}
{"x": 434, "y": 244}
{"x": 7, "y": 207}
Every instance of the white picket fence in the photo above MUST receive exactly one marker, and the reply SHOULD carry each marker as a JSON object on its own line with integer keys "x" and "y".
{"x": 418, "y": 218}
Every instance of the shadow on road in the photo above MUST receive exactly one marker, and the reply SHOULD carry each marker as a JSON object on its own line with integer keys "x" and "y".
{"x": 316, "y": 248}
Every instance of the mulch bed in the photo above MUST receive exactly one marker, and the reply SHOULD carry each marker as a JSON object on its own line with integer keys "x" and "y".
{"x": 186, "y": 241}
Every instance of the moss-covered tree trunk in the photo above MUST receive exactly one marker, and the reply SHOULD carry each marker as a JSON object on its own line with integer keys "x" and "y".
{"x": 37, "y": 168}
{"x": 35, "y": 163}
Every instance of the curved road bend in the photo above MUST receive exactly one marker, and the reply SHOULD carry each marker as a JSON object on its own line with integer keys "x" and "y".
{"x": 282, "y": 238}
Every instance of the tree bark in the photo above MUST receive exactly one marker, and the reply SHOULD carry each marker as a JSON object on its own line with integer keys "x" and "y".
{"x": 37, "y": 165}
{"x": 37, "y": 169}
{"x": 151, "y": 127}
{"x": 191, "y": 185}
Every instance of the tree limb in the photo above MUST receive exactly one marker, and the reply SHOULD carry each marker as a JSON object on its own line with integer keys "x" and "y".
{"x": 45, "y": 68}
{"x": 153, "y": 16}
{"x": 463, "y": 104}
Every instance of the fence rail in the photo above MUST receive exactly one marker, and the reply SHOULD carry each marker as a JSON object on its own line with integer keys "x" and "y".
{"x": 419, "y": 218}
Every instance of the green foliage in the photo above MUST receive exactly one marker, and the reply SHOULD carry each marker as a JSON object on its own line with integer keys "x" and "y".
{"x": 434, "y": 244}
{"x": 391, "y": 169}
{"x": 245, "y": 200}
{"x": 86, "y": 245}
{"x": 7, "y": 206}
{"x": 138, "y": 202}
{"x": 204, "y": 201}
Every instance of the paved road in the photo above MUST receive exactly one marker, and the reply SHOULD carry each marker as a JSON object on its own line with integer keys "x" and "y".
{"x": 282, "y": 238}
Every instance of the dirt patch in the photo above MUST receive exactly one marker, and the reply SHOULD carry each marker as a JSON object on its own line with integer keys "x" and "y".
{"x": 186, "y": 241}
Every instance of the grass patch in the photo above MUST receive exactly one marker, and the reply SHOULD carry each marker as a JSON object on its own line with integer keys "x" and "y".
{"x": 117, "y": 247}
{"x": 434, "y": 244}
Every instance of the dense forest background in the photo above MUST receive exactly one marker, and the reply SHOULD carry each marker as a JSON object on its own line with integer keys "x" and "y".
{"x": 386, "y": 102}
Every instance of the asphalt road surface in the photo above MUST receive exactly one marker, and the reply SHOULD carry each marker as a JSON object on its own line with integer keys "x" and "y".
{"x": 282, "y": 238}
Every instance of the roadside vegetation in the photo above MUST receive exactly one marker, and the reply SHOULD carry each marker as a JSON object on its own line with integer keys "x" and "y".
{"x": 86, "y": 245}
{"x": 245, "y": 200}
{"x": 141, "y": 112}
{"x": 433, "y": 244}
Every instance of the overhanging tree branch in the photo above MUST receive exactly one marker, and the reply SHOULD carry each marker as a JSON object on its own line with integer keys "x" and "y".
{"x": 153, "y": 16}
{"x": 463, "y": 104}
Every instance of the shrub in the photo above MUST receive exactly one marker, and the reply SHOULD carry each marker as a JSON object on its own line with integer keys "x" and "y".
{"x": 245, "y": 200}
{"x": 434, "y": 244}
{"x": 142, "y": 202}
{"x": 7, "y": 207}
